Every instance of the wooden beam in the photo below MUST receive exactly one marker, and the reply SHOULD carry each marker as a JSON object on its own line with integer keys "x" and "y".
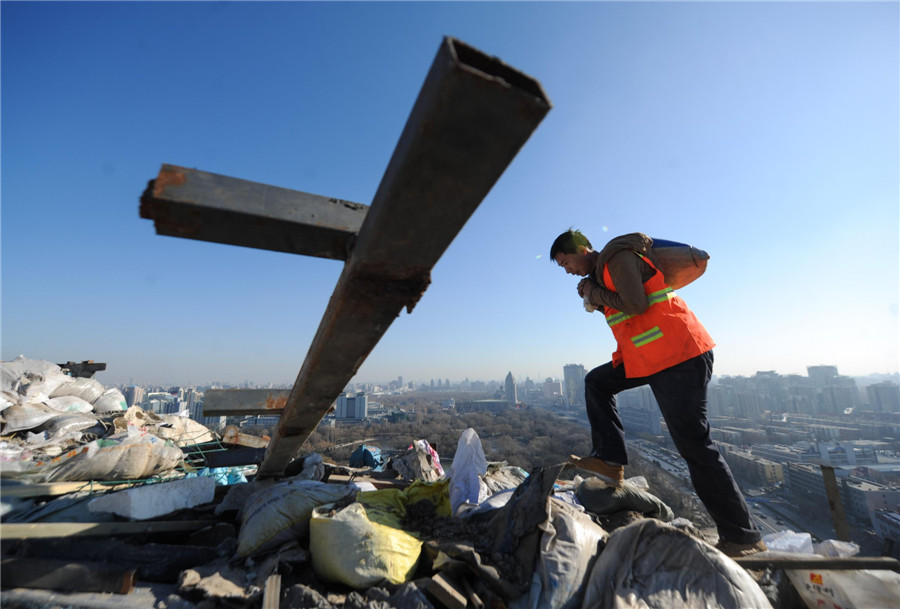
{"x": 65, "y": 576}
{"x": 472, "y": 116}
{"x": 55, "y": 489}
{"x": 35, "y": 530}
{"x": 209, "y": 207}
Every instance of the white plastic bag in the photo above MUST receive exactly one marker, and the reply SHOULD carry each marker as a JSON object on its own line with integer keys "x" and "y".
{"x": 860, "y": 589}
{"x": 651, "y": 565}
{"x": 569, "y": 546}
{"x": 110, "y": 400}
{"x": 69, "y": 404}
{"x": 27, "y": 416}
{"x": 789, "y": 541}
{"x": 469, "y": 464}
{"x": 87, "y": 389}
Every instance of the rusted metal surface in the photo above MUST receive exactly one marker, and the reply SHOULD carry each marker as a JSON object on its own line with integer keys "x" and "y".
{"x": 206, "y": 206}
{"x": 235, "y": 402}
{"x": 472, "y": 116}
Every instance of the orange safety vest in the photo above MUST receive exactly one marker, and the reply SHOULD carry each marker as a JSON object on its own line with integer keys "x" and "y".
{"x": 665, "y": 334}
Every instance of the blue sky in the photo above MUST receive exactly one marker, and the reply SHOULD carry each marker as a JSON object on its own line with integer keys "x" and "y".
{"x": 764, "y": 133}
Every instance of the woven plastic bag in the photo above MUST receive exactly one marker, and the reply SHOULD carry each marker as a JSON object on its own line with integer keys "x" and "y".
{"x": 350, "y": 549}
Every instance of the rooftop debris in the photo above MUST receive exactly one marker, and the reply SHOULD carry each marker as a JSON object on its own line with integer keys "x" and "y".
{"x": 388, "y": 534}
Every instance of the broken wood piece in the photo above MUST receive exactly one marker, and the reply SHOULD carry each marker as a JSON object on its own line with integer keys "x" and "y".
{"x": 272, "y": 592}
{"x": 447, "y": 592}
{"x": 36, "y": 530}
{"x": 474, "y": 598}
{"x": 233, "y": 435}
{"x": 66, "y": 576}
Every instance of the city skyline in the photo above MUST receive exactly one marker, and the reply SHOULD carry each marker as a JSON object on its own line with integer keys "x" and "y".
{"x": 418, "y": 382}
{"x": 767, "y": 134}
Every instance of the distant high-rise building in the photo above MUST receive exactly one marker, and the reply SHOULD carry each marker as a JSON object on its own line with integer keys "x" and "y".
{"x": 133, "y": 395}
{"x": 884, "y": 397}
{"x": 350, "y": 406}
{"x": 511, "y": 396}
{"x": 573, "y": 378}
{"x": 822, "y": 375}
{"x": 552, "y": 388}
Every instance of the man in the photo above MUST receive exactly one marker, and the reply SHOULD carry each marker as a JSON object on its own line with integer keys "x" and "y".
{"x": 662, "y": 344}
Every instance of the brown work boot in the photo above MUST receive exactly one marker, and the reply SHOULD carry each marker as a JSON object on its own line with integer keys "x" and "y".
{"x": 736, "y": 550}
{"x": 614, "y": 474}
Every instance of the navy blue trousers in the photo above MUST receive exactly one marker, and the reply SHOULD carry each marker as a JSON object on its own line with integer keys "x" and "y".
{"x": 680, "y": 392}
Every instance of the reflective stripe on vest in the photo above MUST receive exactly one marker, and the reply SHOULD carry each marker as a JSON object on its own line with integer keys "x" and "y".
{"x": 653, "y": 298}
{"x": 649, "y": 336}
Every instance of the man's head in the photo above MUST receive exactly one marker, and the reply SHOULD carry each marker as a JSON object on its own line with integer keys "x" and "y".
{"x": 571, "y": 250}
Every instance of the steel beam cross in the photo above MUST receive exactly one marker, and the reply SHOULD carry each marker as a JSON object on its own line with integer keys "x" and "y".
{"x": 472, "y": 116}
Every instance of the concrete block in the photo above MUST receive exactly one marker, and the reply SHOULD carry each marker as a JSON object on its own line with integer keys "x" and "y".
{"x": 152, "y": 500}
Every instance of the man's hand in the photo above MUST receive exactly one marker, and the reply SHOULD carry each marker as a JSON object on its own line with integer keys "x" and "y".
{"x": 586, "y": 286}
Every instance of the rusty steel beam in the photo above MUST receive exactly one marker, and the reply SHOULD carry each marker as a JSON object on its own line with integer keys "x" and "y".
{"x": 234, "y": 402}
{"x": 472, "y": 116}
{"x": 210, "y": 207}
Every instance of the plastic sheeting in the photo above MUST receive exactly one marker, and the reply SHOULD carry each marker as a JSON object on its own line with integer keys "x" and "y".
{"x": 600, "y": 498}
{"x": 570, "y": 544}
{"x": 651, "y": 565}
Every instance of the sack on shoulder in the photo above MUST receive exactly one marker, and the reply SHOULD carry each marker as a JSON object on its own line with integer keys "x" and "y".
{"x": 680, "y": 263}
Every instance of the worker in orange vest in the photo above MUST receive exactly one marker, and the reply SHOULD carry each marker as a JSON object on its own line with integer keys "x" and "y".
{"x": 660, "y": 343}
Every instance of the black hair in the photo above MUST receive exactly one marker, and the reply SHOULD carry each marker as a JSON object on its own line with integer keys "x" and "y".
{"x": 569, "y": 243}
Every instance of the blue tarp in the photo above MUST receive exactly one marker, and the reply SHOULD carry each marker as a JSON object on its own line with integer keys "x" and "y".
{"x": 367, "y": 456}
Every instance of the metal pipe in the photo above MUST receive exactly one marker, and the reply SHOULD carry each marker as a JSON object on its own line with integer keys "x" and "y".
{"x": 853, "y": 563}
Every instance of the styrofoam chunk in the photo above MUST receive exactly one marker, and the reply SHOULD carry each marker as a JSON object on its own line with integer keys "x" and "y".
{"x": 154, "y": 500}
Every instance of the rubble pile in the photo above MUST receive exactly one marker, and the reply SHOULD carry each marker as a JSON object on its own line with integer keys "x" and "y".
{"x": 406, "y": 533}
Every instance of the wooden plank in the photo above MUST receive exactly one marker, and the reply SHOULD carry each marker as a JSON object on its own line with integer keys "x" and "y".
{"x": 55, "y": 489}
{"x": 35, "y": 530}
{"x": 65, "y": 576}
{"x": 447, "y": 592}
{"x": 238, "y": 402}
{"x": 272, "y": 592}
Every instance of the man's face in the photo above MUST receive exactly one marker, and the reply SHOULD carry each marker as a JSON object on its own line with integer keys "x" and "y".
{"x": 575, "y": 264}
